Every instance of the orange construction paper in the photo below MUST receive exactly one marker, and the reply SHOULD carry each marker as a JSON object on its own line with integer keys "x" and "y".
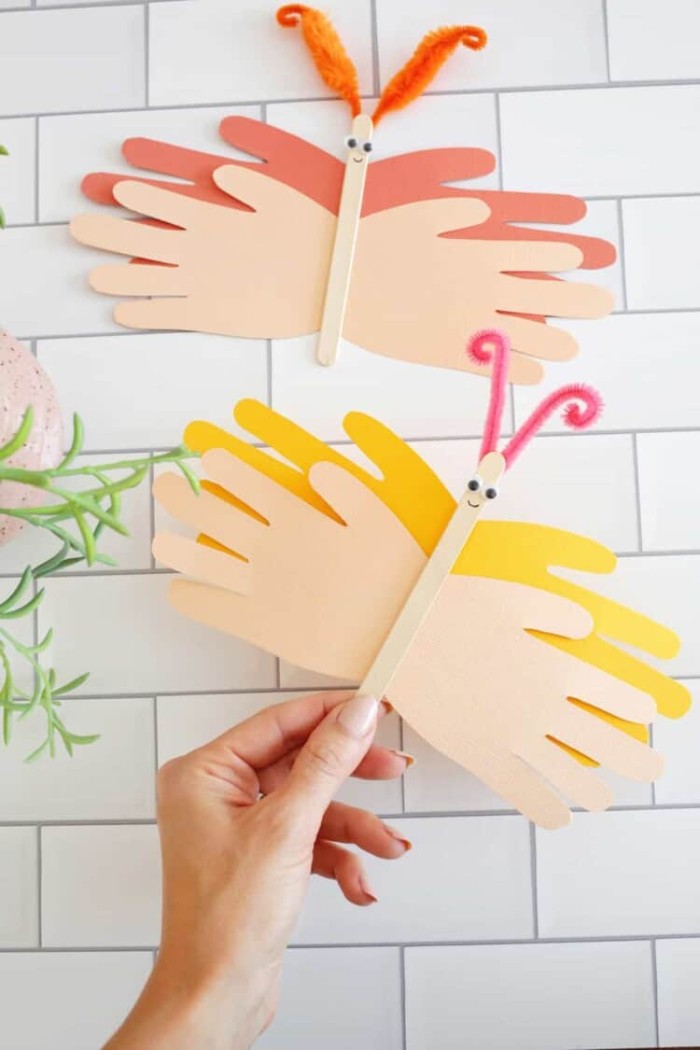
{"x": 454, "y": 254}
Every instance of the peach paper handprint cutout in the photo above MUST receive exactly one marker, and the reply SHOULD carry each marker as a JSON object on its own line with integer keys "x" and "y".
{"x": 496, "y": 272}
{"x": 343, "y": 567}
{"x": 322, "y": 591}
{"x": 519, "y": 552}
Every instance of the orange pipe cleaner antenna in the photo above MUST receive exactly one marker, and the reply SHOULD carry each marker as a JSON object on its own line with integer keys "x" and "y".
{"x": 432, "y": 53}
{"x": 327, "y": 50}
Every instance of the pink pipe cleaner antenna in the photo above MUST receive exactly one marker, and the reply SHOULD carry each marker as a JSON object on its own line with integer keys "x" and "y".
{"x": 582, "y": 404}
{"x": 571, "y": 398}
{"x": 485, "y": 347}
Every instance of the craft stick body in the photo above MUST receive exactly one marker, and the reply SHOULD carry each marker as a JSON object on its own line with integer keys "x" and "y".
{"x": 431, "y": 580}
{"x": 349, "y": 212}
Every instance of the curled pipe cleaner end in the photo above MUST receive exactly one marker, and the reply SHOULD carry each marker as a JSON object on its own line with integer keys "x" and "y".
{"x": 424, "y": 64}
{"x": 582, "y": 407}
{"x": 327, "y": 50}
{"x": 492, "y": 346}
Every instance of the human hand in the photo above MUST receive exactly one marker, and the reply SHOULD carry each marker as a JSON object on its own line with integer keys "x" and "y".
{"x": 319, "y": 591}
{"x": 236, "y": 866}
{"x": 478, "y": 686}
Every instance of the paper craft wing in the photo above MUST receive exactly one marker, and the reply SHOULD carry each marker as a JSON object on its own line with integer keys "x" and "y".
{"x": 502, "y": 550}
{"x": 420, "y": 240}
{"x": 322, "y": 589}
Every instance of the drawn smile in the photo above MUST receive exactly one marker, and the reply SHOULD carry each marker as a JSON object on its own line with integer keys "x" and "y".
{"x": 474, "y": 505}
{"x": 358, "y": 160}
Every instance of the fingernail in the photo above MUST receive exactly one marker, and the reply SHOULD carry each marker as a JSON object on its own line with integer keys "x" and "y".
{"x": 396, "y": 834}
{"x": 408, "y": 759}
{"x": 366, "y": 889}
{"x": 359, "y": 715}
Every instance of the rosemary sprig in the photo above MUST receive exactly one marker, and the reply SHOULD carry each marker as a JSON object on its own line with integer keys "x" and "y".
{"x": 87, "y": 511}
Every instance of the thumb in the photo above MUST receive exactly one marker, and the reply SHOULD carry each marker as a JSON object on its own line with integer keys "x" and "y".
{"x": 332, "y": 752}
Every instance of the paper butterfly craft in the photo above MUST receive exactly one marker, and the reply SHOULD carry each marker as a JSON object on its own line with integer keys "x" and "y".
{"x": 258, "y": 249}
{"x": 514, "y": 672}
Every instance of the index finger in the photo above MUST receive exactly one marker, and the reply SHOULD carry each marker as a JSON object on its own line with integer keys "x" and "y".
{"x": 268, "y": 736}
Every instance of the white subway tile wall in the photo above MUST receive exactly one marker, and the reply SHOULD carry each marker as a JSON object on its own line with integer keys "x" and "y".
{"x": 486, "y": 935}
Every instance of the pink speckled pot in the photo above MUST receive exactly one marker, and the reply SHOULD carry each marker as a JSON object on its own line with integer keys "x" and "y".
{"x": 23, "y": 382}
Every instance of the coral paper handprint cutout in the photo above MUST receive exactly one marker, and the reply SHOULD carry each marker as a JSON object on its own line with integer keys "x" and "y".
{"x": 515, "y": 674}
{"x": 459, "y": 257}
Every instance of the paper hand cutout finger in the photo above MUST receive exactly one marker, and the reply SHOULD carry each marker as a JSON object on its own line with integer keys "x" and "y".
{"x": 486, "y": 693}
{"x": 503, "y": 550}
{"x": 399, "y": 214}
{"x": 391, "y": 182}
{"x": 219, "y": 274}
{"x": 601, "y": 704}
{"x": 299, "y": 565}
{"x": 290, "y": 159}
{"x": 320, "y": 593}
{"x": 225, "y": 271}
{"x": 461, "y": 285}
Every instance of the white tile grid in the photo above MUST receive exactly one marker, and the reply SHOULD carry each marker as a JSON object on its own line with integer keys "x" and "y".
{"x": 614, "y": 894}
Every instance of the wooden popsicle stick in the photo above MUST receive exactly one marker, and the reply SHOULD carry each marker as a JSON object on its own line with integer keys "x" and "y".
{"x": 340, "y": 272}
{"x": 432, "y": 577}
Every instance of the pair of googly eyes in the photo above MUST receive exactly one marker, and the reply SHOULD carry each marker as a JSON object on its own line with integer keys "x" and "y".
{"x": 475, "y": 485}
{"x": 352, "y": 143}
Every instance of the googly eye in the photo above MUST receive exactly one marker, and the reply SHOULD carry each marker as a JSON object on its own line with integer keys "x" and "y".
{"x": 491, "y": 492}
{"x": 367, "y": 147}
{"x": 351, "y": 142}
{"x": 474, "y": 484}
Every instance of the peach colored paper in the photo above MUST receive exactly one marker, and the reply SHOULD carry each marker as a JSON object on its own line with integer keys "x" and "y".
{"x": 324, "y": 591}
{"x": 428, "y": 248}
{"x": 504, "y": 550}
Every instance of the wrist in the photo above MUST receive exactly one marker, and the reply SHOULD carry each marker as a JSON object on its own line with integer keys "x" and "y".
{"x": 183, "y": 1009}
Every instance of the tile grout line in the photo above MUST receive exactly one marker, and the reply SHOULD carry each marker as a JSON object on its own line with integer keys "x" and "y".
{"x": 637, "y": 495}
{"x": 376, "y": 72}
{"x": 337, "y": 442}
{"x": 606, "y": 36}
{"x": 402, "y": 992}
{"x": 459, "y": 815}
{"x": 533, "y": 881}
{"x": 34, "y": 5}
{"x": 218, "y": 102}
{"x": 156, "y": 753}
{"x": 499, "y": 140}
{"x": 37, "y": 209}
{"x": 623, "y": 258}
{"x": 146, "y": 53}
{"x": 151, "y": 518}
{"x": 513, "y": 942}
{"x": 655, "y": 989}
{"x": 39, "y": 879}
